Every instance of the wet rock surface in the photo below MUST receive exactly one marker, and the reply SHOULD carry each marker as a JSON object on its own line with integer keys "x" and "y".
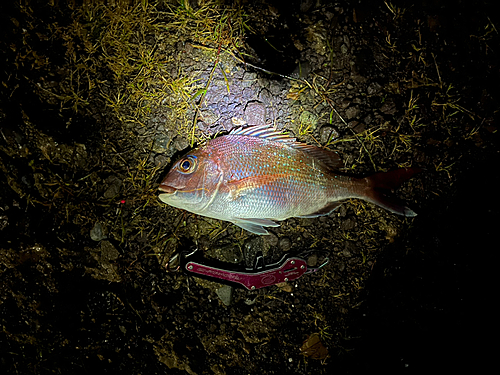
{"x": 98, "y": 101}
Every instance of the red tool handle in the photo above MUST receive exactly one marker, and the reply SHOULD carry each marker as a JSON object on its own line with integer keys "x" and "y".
{"x": 290, "y": 270}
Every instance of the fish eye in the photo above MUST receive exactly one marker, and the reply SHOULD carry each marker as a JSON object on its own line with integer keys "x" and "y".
{"x": 188, "y": 164}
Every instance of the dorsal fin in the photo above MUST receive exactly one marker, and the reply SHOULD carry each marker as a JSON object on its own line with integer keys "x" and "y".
{"x": 263, "y": 131}
{"x": 329, "y": 158}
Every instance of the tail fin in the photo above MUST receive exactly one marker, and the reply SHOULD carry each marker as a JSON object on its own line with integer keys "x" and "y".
{"x": 380, "y": 186}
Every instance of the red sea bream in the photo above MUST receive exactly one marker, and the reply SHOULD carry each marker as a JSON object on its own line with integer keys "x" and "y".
{"x": 255, "y": 176}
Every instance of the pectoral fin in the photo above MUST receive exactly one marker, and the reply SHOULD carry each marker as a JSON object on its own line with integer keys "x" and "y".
{"x": 241, "y": 187}
{"x": 255, "y": 225}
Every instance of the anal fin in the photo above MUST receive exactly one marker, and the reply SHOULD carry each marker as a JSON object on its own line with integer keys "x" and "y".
{"x": 327, "y": 210}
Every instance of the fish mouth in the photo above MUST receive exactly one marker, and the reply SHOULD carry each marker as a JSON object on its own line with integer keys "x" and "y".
{"x": 167, "y": 189}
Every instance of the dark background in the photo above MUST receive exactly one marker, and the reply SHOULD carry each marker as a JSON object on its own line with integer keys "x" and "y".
{"x": 428, "y": 309}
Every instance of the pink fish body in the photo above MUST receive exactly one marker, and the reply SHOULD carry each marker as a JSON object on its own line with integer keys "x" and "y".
{"x": 255, "y": 176}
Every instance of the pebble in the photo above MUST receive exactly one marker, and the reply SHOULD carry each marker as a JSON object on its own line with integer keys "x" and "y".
{"x": 271, "y": 239}
{"x": 374, "y": 88}
{"x": 161, "y": 143}
{"x": 180, "y": 143}
{"x": 225, "y": 294}
{"x": 352, "y": 112}
{"x": 285, "y": 244}
{"x": 114, "y": 185}
{"x": 312, "y": 260}
{"x": 97, "y": 232}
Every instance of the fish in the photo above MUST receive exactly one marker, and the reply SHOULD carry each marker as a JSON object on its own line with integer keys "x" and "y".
{"x": 257, "y": 175}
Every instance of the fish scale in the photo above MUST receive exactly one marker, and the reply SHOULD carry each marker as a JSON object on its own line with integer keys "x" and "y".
{"x": 255, "y": 176}
{"x": 274, "y": 198}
